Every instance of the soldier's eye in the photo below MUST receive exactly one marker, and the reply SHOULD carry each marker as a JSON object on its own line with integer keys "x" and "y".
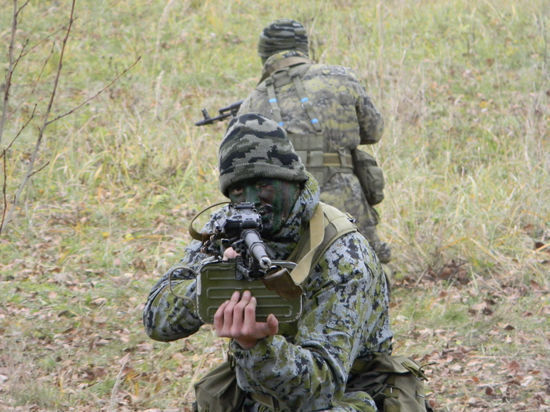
{"x": 236, "y": 191}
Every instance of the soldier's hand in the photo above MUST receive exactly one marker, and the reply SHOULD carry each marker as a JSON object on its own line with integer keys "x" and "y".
{"x": 236, "y": 318}
{"x": 229, "y": 253}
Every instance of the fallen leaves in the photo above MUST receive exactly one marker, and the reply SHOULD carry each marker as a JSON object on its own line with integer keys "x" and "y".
{"x": 495, "y": 356}
{"x": 451, "y": 271}
{"x": 482, "y": 307}
{"x": 480, "y": 381}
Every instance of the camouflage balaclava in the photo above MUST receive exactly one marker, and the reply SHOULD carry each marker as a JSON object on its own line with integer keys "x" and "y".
{"x": 282, "y": 35}
{"x": 255, "y": 147}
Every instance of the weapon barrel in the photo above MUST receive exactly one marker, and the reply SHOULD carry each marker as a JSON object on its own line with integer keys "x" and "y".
{"x": 256, "y": 247}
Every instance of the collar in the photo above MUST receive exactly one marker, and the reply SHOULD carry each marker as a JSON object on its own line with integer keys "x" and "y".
{"x": 282, "y": 60}
{"x": 284, "y": 242}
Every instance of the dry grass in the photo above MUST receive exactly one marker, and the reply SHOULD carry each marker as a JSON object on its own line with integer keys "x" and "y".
{"x": 464, "y": 90}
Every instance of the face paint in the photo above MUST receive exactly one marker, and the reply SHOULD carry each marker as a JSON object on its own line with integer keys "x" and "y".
{"x": 273, "y": 198}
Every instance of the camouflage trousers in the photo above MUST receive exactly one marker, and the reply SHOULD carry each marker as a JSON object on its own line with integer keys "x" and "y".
{"x": 343, "y": 191}
{"x": 218, "y": 392}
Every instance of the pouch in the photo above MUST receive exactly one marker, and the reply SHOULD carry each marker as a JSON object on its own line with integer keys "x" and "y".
{"x": 370, "y": 176}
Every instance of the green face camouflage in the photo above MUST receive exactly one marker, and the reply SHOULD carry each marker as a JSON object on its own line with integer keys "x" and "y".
{"x": 256, "y": 147}
{"x": 281, "y": 35}
{"x": 274, "y": 199}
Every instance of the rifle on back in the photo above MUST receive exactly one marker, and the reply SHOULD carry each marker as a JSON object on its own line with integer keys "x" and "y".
{"x": 223, "y": 113}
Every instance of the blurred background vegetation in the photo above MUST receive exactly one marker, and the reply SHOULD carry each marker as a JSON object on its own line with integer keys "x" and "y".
{"x": 464, "y": 90}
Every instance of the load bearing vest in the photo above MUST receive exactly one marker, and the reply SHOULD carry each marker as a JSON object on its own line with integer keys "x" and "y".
{"x": 309, "y": 147}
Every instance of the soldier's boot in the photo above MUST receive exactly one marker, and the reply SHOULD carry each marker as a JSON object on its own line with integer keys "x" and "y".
{"x": 382, "y": 249}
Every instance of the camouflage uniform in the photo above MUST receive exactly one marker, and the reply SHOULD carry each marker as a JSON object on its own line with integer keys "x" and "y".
{"x": 346, "y": 297}
{"x": 324, "y": 109}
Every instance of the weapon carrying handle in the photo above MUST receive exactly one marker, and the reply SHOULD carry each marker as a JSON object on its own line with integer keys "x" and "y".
{"x": 203, "y": 237}
{"x": 233, "y": 108}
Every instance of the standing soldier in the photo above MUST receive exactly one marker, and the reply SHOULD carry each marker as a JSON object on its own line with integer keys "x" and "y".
{"x": 327, "y": 114}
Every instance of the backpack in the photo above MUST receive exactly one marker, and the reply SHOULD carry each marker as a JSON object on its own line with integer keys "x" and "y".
{"x": 395, "y": 383}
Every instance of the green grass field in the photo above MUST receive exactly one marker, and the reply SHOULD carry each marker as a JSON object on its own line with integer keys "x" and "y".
{"x": 464, "y": 88}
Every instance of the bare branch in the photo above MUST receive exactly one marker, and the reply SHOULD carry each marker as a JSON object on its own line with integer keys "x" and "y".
{"x": 9, "y": 71}
{"x": 30, "y": 168}
{"x": 39, "y": 169}
{"x": 74, "y": 109}
{"x": 21, "y": 55}
{"x": 12, "y": 63}
{"x": 4, "y": 193}
{"x": 43, "y": 40}
{"x": 21, "y": 129}
{"x": 44, "y": 64}
{"x": 5, "y": 176}
{"x": 42, "y": 69}
{"x": 46, "y": 121}
{"x": 58, "y": 73}
{"x": 22, "y": 7}
{"x": 16, "y": 12}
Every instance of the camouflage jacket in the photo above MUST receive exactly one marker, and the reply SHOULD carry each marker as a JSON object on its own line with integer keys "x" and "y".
{"x": 345, "y": 118}
{"x": 345, "y": 112}
{"x": 345, "y": 317}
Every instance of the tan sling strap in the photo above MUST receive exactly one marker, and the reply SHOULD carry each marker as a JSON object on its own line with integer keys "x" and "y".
{"x": 325, "y": 227}
{"x": 316, "y": 235}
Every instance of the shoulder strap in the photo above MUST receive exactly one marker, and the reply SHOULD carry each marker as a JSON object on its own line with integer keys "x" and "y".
{"x": 272, "y": 99}
{"x": 325, "y": 227}
{"x": 307, "y": 106}
{"x": 306, "y": 103}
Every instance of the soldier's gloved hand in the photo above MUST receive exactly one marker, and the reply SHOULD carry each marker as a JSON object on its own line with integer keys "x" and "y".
{"x": 236, "y": 318}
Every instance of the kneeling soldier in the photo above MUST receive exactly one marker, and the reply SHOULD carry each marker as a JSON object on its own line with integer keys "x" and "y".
{"x": 313, "y": 362}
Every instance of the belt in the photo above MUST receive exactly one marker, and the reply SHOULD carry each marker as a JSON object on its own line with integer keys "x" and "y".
{"x": 317, "y": 158}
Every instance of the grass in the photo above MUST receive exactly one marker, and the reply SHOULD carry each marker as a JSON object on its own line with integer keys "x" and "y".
{"x": 464, "y": 89}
